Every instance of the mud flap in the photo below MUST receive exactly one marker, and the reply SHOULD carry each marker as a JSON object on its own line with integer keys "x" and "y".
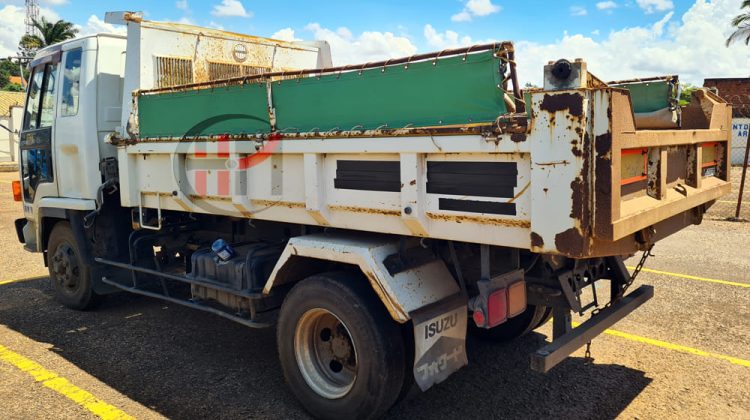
{"x": 439, "y": 340}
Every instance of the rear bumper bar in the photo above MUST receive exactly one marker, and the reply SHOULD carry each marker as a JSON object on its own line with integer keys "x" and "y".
{"x": 550, "y": 355}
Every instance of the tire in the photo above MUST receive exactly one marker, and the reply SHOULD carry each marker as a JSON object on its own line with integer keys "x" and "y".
{"x": 545, "y": 318}
{"x": 69, "y": 274}
{"x": 341, "y": 353}
{"x": 532, "y": 318}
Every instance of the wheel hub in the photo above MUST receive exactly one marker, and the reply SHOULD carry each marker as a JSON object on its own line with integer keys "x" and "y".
{"x": 65, "y": 269}
{"x": 325, "y": 353}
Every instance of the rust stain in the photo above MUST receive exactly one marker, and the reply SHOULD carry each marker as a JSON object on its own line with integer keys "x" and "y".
{"x": 520, "y": 193}
{"x": 581, "y": 206}
{"x": 536, "y": 240}
{"x": 575, "y": 150}
{"x": 480, "y": 220}
{"x": 518, "y": 137}
{"x": 367, "y": 210}
{"x": 271, "y": 203}
{"x": 209, "y": 197}
{"x": 603, "y": 183}
{"x": 557, "y": 162}
{"x": 572, "y": 243}
{"x": 573, "y": 102}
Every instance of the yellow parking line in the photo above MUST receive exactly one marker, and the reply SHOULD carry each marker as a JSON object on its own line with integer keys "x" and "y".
{"x": 2, "y": 282}
{"x": 674, "y": 347}
{"x": 61, "y": 385}
{"x": 686, "y": 276}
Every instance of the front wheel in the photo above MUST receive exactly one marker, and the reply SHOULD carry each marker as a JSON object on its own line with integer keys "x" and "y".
{"x": 69, "y": 274}
{"x": 341, "y": 353}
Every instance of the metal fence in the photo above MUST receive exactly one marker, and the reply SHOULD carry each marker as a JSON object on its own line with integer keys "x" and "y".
{"x": 726, "y": 207}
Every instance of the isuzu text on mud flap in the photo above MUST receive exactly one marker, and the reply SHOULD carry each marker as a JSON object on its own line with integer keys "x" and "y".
{"x": 440, "y": 332}
{"x": 356, "y": 208}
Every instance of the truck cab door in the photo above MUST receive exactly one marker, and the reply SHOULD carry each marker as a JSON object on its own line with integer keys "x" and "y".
{"x": 35, "y": 143}
{"x": 73, "y": 137}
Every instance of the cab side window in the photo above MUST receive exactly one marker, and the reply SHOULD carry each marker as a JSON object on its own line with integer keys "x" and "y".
{"x": 31, "y": 119}
{"x": 71, "y": 83}
{"x": 49, "y": 97}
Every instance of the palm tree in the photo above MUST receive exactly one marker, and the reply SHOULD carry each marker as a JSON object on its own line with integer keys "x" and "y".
{"x": 742, "y": 23}
{"x": 49, "y": 33}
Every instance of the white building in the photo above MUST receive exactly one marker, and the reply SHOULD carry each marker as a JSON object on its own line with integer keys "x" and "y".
{"x": 11, "y": 112}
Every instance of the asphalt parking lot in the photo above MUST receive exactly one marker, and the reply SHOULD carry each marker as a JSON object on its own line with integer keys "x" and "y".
{"x": 685, "y": 354}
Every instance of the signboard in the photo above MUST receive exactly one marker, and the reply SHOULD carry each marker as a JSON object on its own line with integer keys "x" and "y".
{"x": 740, "y": 128}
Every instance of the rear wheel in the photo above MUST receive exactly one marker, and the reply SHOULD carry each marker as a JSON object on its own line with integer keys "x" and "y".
{"x": 341, "y": 353}
{"x": 69, "y": 274}
{"x": 545, "y": 318}
{"x": 533, "y": 317}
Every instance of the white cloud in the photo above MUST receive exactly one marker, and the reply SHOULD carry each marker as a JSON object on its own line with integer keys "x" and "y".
{"x": 578, "y": 11}
{"x": 367, "y": 46}
{"x": 233, "y": 8}
{"x": 55, "y": 2}
{"x": 181, "y": 4}
{"x": 683, "y": 47}
{"x": 606, "y": 5}
{"x": 462, "y": 16}
{"x": 286, "y": 34}
{"x": 651, "y": 6}
{"x": 95, "y": 26}
{"x": 474, "y": 8}
{"x": 13, "y": 27}
{"x": 216, "y": 25}
{"x": 444, "y": 40}
{"x": 186, "y": 21}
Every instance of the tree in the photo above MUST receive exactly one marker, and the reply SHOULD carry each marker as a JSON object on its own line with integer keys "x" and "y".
{"x": 49, "y": 33}
{"x": 13, "y": 87}
{"x": 742, "y": 24}
{"x": 8, "y": 68}
{"x": 686, "y": 94}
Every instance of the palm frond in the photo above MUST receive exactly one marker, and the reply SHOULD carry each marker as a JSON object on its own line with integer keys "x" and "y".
{"x": 740, "y": 19}
{"x": 741, "y": 33}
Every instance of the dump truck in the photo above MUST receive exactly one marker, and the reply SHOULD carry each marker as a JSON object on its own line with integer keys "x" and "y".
{"x": 374, "y": 214}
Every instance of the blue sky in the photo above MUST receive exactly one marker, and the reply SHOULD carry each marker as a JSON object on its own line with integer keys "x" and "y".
{"x": 619, "y": 38}
{"x": 533, "y": 20}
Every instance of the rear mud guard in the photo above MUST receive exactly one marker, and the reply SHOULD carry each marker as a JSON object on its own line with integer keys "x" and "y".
{"x": 439, "y": 340}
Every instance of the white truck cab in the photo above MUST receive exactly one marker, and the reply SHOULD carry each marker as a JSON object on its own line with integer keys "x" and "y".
{"x": 74, "y": 100}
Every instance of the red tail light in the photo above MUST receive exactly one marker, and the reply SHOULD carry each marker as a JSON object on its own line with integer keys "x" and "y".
{"x": 516, "y": 298}
{"x": 17, "y": 196}
{"x": 497, "y": 307}
{"x": 478, "y": 317}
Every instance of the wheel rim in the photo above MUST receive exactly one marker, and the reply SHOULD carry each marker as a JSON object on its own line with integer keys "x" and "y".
{"x": 65, "y": 269}
{"x": 325, "y": 353}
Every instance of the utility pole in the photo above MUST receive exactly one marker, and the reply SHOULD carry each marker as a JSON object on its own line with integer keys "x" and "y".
{"x": 32, "y": 14}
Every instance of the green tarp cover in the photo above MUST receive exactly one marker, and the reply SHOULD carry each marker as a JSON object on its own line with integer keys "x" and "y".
{"x": 462, "y": 89}
{"x": 649, "y": 96}
{"x": 223, "y": 110}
